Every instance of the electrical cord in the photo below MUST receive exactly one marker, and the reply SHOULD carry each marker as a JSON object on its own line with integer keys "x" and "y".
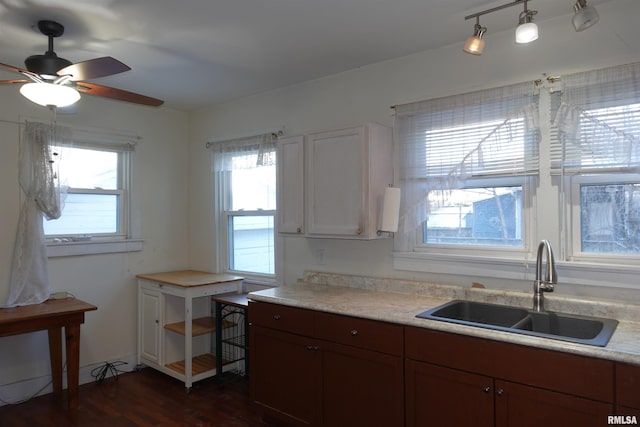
{"x": 102, "y": 371}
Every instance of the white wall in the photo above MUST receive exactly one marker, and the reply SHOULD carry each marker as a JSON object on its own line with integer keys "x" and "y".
{"x": 365, "y": 94}
{"x": 107, "y": 281}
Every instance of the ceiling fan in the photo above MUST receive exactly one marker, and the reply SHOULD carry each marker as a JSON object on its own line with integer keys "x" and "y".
{"x": 49, "y": 72}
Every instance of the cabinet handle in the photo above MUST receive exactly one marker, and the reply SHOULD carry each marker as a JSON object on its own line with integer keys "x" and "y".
{"x": 500, "y": 392}
{"x": 276, "y": 317}
{"x": 354, "y": 332}
{"x": 486, "y": 389}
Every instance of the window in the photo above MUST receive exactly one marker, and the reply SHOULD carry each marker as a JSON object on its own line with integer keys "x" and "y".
{"x": 596, "y": 153}
{"x": 483, "y": 181}
{"x": 245, "y": 174}
{"x": 464, "y": 163}
{"x": 95, "y": 201}
{"x": 483, "y": 215}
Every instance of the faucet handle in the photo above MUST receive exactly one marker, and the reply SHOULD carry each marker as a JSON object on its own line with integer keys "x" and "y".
{"x": 546, "y": 287}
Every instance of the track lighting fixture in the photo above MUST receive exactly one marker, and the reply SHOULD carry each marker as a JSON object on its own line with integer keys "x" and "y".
{"x": 527, "y": 30}
{"x": 475, "y": 43}
{"x": 585, "y": 16}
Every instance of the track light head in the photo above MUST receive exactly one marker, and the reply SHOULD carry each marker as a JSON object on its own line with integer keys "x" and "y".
{"x": 585, "y": 16}
{"x": 527, "y": 30}
{"x": 475, "y": 44}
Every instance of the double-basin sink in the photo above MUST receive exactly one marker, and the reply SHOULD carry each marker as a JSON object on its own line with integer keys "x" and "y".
{"x": 567, "y": 327}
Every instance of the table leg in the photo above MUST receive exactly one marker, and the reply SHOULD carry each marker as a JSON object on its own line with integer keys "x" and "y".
{"x": 72, "y": 335}
{"x": 55, "y": 355}
{"x": 218, "y": 339}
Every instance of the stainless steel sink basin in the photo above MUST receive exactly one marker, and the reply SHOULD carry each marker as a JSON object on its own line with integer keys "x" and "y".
{"x": 581, "y": 329}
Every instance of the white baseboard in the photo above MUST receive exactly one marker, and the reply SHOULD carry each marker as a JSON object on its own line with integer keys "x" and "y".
{"x": 21, "y": 391}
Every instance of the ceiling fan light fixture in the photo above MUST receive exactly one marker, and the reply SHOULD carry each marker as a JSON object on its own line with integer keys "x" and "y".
{"x": 49, "y": 94}
{"x": 585, "y": 16}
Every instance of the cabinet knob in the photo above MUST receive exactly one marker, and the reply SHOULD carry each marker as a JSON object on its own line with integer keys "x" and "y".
{"x": 500, "y": 392}
{"x": 486, "y": 389}
{"x": 354, "y": 332}
{"x": 298, "y": 230}
{"x": 276, "y": 317}
{"x": 359, "y": 231}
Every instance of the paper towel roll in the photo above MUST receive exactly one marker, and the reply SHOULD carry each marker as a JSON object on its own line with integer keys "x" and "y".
{"x": 390, "y": 210}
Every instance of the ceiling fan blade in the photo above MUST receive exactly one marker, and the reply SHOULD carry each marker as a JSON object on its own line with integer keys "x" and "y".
{"x": 94, "y": 68}
{"x": 119, "y": 94}
{"x": 11, "y": 82}
{"x": 20, "y": 71}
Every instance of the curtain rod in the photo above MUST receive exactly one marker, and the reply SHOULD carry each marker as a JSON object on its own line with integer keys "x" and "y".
{"x": 274, "y": 133}
{"x": 537, "y": 82}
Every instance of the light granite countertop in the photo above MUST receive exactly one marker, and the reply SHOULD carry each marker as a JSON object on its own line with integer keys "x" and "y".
{"x": 371, "y": 299}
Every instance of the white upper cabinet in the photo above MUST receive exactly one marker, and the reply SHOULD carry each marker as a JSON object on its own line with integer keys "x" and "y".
{"x": 290, "y": 188}
{"x": 346, "y": 173}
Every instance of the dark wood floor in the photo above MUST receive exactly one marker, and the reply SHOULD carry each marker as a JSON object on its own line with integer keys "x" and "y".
{"x": 143, "y": 398}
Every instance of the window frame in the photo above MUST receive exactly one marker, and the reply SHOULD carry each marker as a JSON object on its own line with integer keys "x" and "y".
{"x": 127, "y": 238}
{"x": 546, "y": 190}
{"x": 506, "y": 252}
{"x": 574, "y": 220}
{"x": 228, "y": 252}
{"x": 222, "y": 187}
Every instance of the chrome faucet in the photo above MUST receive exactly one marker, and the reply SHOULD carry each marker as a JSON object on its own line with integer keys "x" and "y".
{"x": 551, "y": 277}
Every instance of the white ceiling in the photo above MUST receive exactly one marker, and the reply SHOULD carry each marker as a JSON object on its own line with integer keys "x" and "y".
{"x": 195, "y": 53}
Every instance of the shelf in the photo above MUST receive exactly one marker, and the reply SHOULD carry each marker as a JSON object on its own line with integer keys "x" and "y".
{"x": 238, "y": 341}
{"x": 200, "y": 326}
{"x": 199, "y": 364}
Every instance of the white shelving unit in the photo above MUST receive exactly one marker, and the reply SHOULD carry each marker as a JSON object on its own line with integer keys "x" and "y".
{"x": 176, "y": 328}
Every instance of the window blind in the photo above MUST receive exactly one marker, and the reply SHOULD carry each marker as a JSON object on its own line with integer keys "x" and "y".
{"x": 485, "y": 133}
{"x": 598, "y": 122}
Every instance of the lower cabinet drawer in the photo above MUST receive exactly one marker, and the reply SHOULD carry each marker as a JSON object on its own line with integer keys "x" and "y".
{"x": 362, "y": 333}
{"x": 283, "y": 318}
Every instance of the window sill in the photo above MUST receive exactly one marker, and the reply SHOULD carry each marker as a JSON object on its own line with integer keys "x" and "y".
{"x": 581, "y": 273}
{"x": 65, "y": 249}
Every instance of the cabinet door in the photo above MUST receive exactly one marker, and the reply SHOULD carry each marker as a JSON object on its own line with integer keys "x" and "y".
{"x": 336, "y": 190}
{"x": 285, "y": 376}
{"x": 361, "y": 387}
{"x": 521, "y": 406}
{"x": 438, "y": 396}
{"x": 290, "y": 186}
{"x": 149, "y": 328}
{"x": 627, "y": 385}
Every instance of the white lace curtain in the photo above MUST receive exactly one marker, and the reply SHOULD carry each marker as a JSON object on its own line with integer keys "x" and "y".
{"x": 442, "y": 142}
{"x": 39, "y": 181}
{"x": 598, "y": 122}
{"x": 228, "y": 154}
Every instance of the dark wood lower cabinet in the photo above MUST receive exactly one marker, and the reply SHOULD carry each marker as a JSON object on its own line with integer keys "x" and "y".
{"x": 518, "y": 405}
{"x": 285, "y": 376}
{"x": 459, "y": 380}
{"x": 438, "y": 396}
{"x": 628, "y": 390}
{"x": 361, "y": 387}
{"x": 317, "y": 369}
{"x": 302, "y": 380}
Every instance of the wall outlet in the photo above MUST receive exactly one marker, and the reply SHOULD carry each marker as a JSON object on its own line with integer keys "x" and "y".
{"x": 58, "y": 295}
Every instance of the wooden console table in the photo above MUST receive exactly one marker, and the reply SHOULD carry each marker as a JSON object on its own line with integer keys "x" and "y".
{"x": 52, "y": 315}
